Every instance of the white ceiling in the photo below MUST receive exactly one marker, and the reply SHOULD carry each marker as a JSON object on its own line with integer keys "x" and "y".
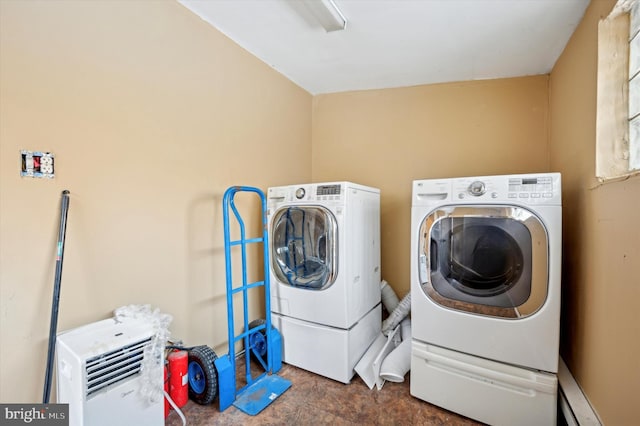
{"x": 397, "y": 43}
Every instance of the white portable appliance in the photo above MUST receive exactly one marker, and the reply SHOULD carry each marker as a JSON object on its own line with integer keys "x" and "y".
{"x": 485, "y": 293}
{"x": 99, "y": 374}
{"x": 325, "y": 274}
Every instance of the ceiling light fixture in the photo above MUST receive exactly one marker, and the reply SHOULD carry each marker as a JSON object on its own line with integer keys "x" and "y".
{"x": 327, "y": 14}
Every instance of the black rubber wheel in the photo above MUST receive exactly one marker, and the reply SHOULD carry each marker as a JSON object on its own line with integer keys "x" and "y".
{"x": 203, "y": 376}
{"x": 258, "y": 339}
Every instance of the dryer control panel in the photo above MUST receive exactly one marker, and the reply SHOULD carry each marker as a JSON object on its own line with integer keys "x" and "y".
{"x": 543, "y": 188}
{"x": 529, "y": 189}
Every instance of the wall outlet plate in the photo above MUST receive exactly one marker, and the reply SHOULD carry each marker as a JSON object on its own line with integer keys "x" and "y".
{"x": 37, "y": 164}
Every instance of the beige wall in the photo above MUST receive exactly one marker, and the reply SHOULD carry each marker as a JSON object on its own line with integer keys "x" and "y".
{"x": 600, "y": 338}
{"x": 151, "y": 115}
{"x": 388, "y": 138}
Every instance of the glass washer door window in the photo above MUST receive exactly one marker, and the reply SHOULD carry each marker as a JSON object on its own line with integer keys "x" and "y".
{"x": 304, "y": 247}
{"x": 485, "y": 259}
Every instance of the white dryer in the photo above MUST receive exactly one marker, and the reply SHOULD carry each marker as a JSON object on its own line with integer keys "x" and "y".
{"x": 325, "y": 274}
{"x": 485, "y": 293}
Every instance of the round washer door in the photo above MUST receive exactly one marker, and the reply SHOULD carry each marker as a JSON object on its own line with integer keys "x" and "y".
{"x": 304, "y": 247}
{"x": 488, "y": 260}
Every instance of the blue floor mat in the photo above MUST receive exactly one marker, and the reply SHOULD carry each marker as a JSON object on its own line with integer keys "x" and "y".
{"x": 261, "y": 393}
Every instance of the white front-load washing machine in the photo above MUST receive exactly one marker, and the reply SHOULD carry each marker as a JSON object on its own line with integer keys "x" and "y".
{"x": 485, "y": 293}
{"x": 325, "y": 274}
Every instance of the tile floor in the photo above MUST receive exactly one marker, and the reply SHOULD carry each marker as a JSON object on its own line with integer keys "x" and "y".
{"x": 316, "y": 400}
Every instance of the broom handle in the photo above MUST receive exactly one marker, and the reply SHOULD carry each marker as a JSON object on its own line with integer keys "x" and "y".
{"x": 53, "y": 326}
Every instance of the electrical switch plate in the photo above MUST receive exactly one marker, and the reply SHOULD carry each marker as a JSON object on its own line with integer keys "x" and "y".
{"x": 37, "y": 164}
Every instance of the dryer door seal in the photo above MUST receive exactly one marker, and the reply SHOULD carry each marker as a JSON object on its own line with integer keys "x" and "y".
{"x": 489, "y": 260}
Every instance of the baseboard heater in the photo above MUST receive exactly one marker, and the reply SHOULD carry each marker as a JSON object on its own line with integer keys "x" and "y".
{"x": 573, "y": 404}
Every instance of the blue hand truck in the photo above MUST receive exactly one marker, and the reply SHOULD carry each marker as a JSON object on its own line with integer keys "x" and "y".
{"x": 265, "y": 387}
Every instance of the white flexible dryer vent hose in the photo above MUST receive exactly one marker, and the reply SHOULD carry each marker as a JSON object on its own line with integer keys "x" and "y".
{"x": 396, "y": 365}
{"x": 398, "y": 314}
{"x": 405, "y": 329}
{"x": 389, "y": 297}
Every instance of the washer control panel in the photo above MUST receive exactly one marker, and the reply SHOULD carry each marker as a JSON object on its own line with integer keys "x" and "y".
{"x": 306, "y": 193}
{"x": 328, "y": 190}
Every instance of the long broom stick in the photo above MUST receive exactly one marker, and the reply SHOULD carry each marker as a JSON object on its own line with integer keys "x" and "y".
{"x": 53, "y": 326}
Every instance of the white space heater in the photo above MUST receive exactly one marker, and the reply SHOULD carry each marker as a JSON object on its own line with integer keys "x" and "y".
{"x": 99, "y": 374}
